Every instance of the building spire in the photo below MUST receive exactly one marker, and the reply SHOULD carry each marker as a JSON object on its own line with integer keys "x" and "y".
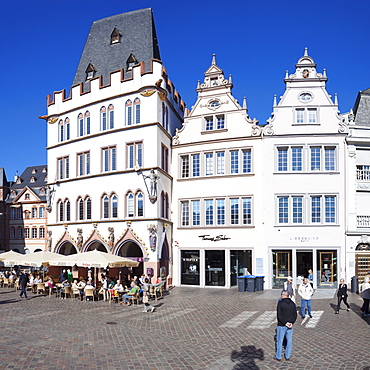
{"x": 275, "y": 101}
{"x": 336, "y": 99}
{"x": 306, "y": 52}
{"x": 245, "y": 104}
{"x": 214, "y": 59}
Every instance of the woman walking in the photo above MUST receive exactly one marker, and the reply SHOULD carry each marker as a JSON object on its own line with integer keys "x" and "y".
{"x": 342, "y": 295}
{"x": 365, "y": 294}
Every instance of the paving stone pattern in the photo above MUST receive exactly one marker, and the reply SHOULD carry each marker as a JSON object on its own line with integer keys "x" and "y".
{"x": 190, "y": 329}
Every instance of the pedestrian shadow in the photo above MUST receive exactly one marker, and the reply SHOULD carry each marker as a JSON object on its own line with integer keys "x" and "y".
{"x": 7, "y": 301}
{"x": 333, "y": 306}
{"x": 246, "y": 357}
{"x": 357, "y": 310}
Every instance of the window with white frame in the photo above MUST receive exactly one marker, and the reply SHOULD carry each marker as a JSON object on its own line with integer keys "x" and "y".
{"x": 137, "y": 110}
{"x": 195, "y": 159}
{"x": 214, "y": 122}
{"x": 83, "y": 164}
{"x": 67, "y": 205}
{"x": 42, "y": 212}
{"x": 114, "y": 206}
{"x": 88, "y": 208}
{"x": 80, "y": 209}
{"x": 128, "y": 109}
{"x": 80, "y": 125}
{"x": 87, "y": 123}
{"x": 111, "y": 116}
{"x": 208, "y": 157}
{"x": 19, "y": 233}
{"x": 130, "y": 205}
{"x": 184, "y": 166}
{"x": 306, "y": 116}
{"x": 134, "y": 154}
{"x": 103, "y": 119}
{"x": 20, "y": 213}
{"x": 34, "y": 233}
{"x": 220, "y": 163}
{"x": 109, "y": 158}
{"x": 42, "y": 233}
{"x": 34, "y": 212}
{"x": 26, "y": 232}
{"x": 140, "y": 204}
{"x": 303, "y": 209}
{"x": 63, "y": 168}
{"x": 300, "y": 158}
{"x": 230, "y": 211}
{"x": 105, "y": 201}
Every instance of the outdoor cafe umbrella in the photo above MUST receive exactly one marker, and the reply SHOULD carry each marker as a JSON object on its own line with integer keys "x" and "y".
{"x": 11, "y": 258}
{"x": 96, "y": 259}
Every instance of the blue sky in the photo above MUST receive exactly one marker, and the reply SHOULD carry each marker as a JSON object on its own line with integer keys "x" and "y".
{"x": 255, "y": 41}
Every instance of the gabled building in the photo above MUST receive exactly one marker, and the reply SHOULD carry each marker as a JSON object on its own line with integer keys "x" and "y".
{"x": 109, "y": 145}
{"x": 217, "y": 191}
{"x": 358, "y": 187}
{"x": 4, "y": 191}
{"x": 26, "y": 211}
{"x": 304, "y": 167}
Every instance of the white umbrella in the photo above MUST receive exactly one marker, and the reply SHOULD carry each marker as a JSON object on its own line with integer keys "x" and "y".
{"x": 37, "y": 259}
{"x": 11, "y": 258}
{"x": 94, "y": 258}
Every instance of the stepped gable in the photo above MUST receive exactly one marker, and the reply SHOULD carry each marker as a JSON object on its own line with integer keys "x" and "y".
{"x": 361, "y": 108}
{"x": 118, "y": 42}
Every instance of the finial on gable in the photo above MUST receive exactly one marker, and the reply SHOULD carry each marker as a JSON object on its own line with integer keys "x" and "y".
{"x": 214, "y": 59}
{"x": 306, "y": 52}
{"x": 275, "y": 101}
{"x": 245, "y": 104}
{"x": 324, "y": 72}
{"x": 335, "y": 99}
{"x": 230, "y": 79}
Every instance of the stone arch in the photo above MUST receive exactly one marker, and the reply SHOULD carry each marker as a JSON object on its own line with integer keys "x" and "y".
{"x": 95, "y": 241}
{"x": 65, "y": 245}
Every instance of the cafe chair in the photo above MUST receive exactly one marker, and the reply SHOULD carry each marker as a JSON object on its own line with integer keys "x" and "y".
{"x": 40, "y": 288}
{"x": 89, "y": 293}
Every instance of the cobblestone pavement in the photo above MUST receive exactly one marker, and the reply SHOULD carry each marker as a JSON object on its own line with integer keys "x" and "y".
{"x": 190, "y": 329}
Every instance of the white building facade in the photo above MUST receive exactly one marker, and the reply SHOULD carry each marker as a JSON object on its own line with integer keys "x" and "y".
{"x": 109, "y": 148}
{"x": 217, "y": 188}
{"x": 358, "y": 187}
{"x": 304, "y": 182}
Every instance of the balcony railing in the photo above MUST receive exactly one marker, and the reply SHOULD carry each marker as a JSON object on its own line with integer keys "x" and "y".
{"x": 363, "y": 222}
{"x": 363, "y": 175}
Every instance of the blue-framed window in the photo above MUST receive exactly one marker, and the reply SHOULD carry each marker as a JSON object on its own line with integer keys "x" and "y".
{"x": 111, "y": 116}
{"x": 316, "y": 209}
{"x": 103, "y": 119}
{"x": 209, "y": 123}
{"x": 297, "y": 159}
{"x": 330, "y": 209}
{"x": 220, "y": 122}
{"x": 297, "y": 210}
{"x": 315, "y": 158}
{"x": 283, "y": 204}
{"x": 137, "y": 110}
{"x": 209, "y": 211}
{"x": 128, "y": 106}
{"x": 196, "y": 165}
{"x": 234, "y": 161}
{"x": 221, "y": 217}
{"x": 247, "y": 160}
{"x": 196, "y": 212}
{"x": 283, "y": 159}
{"x": 80, "y": 120}
{"x": 87, "y": 123}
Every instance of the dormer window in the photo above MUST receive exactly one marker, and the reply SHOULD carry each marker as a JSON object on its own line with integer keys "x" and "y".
{"x": 90, "y": 72}
{"x": 33, "y": 179}
{"x": 27, "y": 196}
{"x": 130, "y": 62}
{"x": 115, "y": 37}
{"x": 19, "y": 180}
{"x": 42, "y": 191}
{"x": 34, "y": 171}
{"x": 13, "y": 194}
{"x": 44, "y": 170}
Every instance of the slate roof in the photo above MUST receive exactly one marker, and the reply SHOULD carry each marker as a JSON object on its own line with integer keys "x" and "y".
{"x": 138, "y": 37}
{"x": 26, "y": 177}
{"x": 361, "y": 108}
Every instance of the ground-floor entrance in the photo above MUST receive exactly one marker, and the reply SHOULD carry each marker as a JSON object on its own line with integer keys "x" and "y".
{"x": 218, "y": 268}
{"x": 297, "y": 263}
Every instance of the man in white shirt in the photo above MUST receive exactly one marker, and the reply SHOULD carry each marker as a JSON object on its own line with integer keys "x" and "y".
{"x": 305, "y": 291}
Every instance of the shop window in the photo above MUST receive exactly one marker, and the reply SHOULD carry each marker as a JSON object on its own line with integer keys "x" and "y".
{"x": 215, "y": 267}
{"x": 190, "y": 267}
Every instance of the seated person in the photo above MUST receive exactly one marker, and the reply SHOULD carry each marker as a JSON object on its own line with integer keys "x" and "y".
{"x": 89, "y": 287}
{"x": 65, "y": 284}
{"x": 36, "y": 280}
{"x": 134, "y": 289}
{"x": 50, "y": 284}
{"x": 75, "y": 288}
{"x": 81, "y": 286}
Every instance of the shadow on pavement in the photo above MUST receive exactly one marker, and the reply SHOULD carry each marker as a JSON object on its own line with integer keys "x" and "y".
{"x": 357, "y": 310}
{"x": 7, "y": 301}
{"x": 246, "y": 357}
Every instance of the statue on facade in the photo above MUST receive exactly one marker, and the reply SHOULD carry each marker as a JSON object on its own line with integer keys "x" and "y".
{"x": 153, "y": 177}
{"x": 152, "y": 237}
{"x": 49, "y": 198}
{"x": 111, "y": 237}
{"x": 80, "y": 239}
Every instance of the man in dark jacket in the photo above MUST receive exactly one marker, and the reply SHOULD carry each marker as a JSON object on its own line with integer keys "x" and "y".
{"x": 286, "y": 313}
{"x": 23, "y": 280}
